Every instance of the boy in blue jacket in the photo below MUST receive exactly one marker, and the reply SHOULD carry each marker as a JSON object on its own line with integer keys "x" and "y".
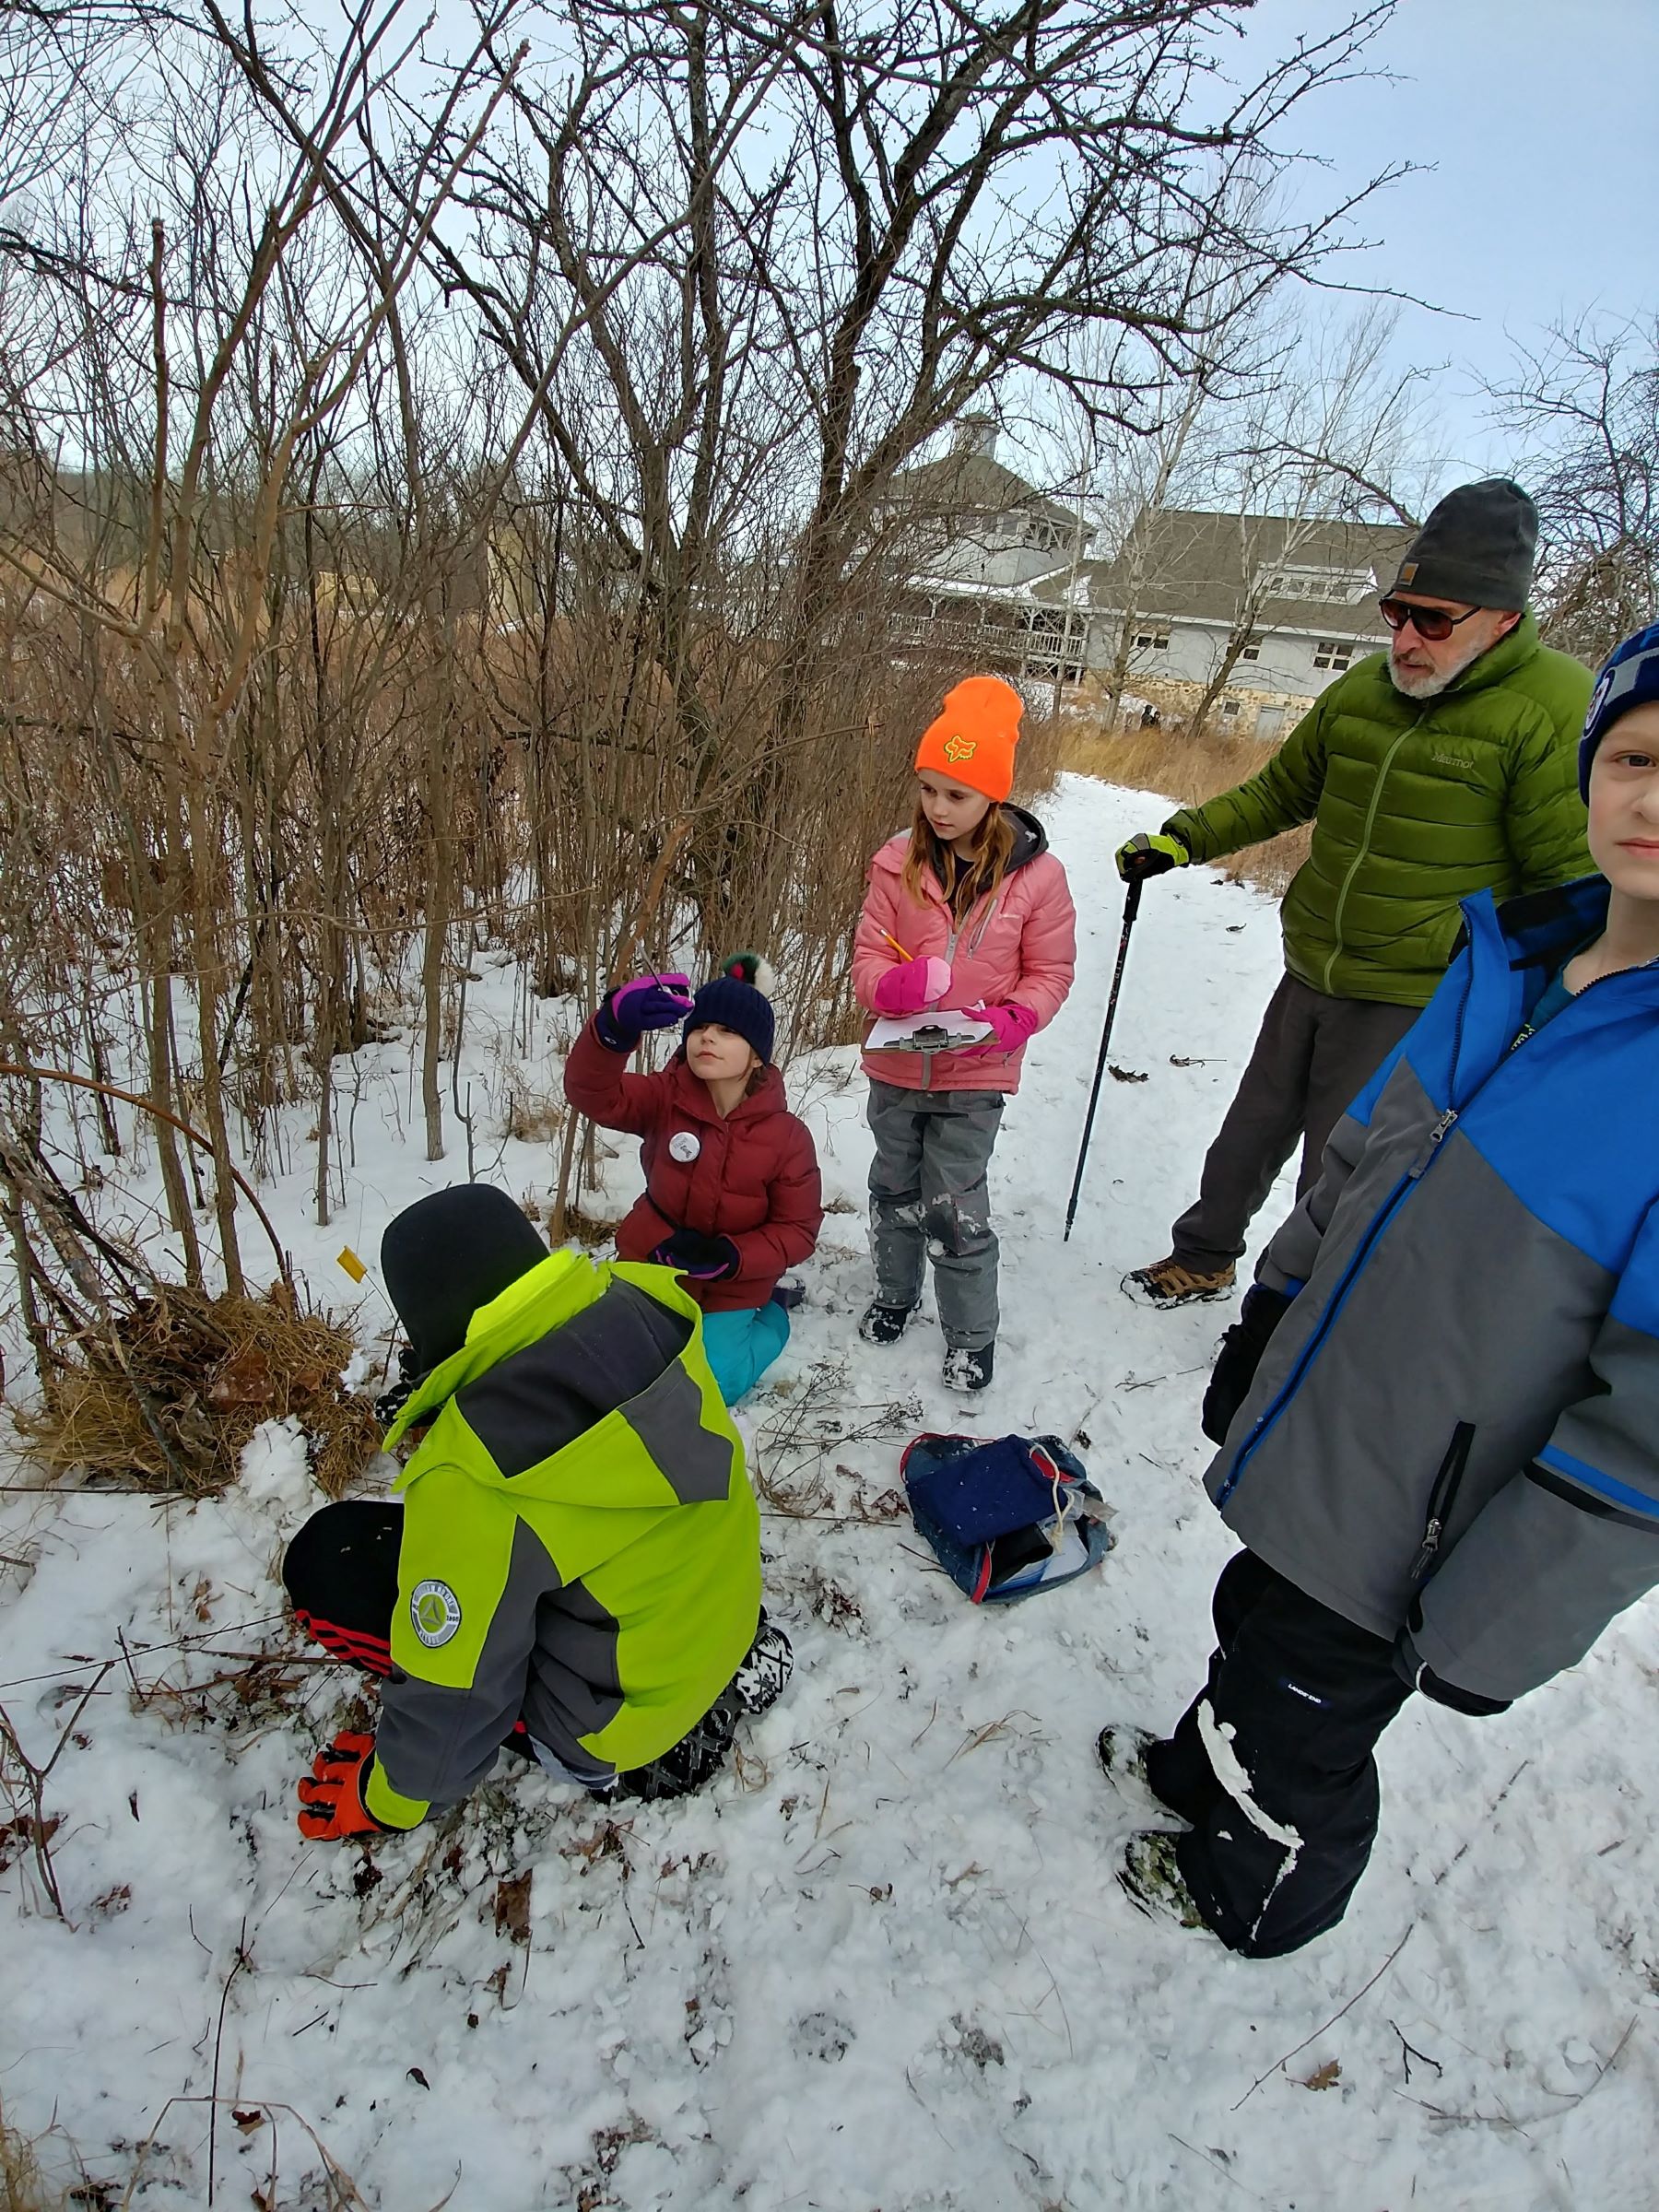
{"x": 1438, "y": 1410}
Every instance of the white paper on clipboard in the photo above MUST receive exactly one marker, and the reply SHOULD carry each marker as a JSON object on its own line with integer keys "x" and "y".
{"x": 932, "y": 1033}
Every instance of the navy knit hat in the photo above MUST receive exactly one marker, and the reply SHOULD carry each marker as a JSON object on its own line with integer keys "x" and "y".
{"x": 1630, "y": 678}
{"x": 736, "y": 1000}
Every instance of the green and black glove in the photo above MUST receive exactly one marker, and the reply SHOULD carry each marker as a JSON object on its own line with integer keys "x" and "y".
{"x": 1146, "y": 855}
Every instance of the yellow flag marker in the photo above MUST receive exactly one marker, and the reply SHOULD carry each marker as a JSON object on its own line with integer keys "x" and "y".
{"x": 352, "y": 1264}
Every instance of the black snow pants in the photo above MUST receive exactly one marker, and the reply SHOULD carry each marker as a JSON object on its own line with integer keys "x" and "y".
{"x": 1300, "y": 1696}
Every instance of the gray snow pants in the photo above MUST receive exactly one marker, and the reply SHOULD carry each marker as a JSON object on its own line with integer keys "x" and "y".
{"x": 928, "y": 1197}
{"x": 1311, "y": 1060}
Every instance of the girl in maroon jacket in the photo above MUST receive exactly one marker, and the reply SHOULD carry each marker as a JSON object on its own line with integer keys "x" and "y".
{"x": 731, "y": 1176}
{"x": 969, "y": 911}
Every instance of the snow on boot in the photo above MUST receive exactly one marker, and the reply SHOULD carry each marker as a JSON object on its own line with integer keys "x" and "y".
{"x": 1121, "y": 1751}
{"x": 969, "y": 1371}
{"x": 884, "y": 1324}
{"x": 1172, "y": 1283}
{"x": 767, "y": 1666}
{"x": 1152, "y": 1882}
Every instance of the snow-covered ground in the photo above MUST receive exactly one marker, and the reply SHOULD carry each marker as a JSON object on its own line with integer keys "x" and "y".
{"x": 883, "y": 1968}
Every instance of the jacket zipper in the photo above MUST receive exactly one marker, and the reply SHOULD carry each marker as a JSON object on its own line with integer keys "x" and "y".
{"x": 1380, "y": 1221}
{"x": 950, "y": 945}
{"x": 1441, "y": 1499}
{"x": 1385, "y": 1213}
{"x": 1354, "y": 865}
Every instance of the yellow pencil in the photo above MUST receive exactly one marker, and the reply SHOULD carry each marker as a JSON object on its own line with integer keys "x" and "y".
{"x": 897, "y": 948}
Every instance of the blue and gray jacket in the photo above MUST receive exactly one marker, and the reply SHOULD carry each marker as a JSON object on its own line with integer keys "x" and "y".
{"x": 1452, "y": 1438}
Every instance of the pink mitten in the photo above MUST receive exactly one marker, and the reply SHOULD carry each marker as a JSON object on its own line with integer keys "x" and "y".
{"x": 1010, "y": 1025}
{"x": 911, "y": 986}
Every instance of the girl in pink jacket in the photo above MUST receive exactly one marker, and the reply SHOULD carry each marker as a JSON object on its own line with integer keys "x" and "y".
{"x": 970, "y": 910}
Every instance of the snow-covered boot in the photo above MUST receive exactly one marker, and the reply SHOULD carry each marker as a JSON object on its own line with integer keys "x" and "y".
{"x": 884, "y": 1324}
{"x": 970, "y": 1370}
{"x": 1152, "y": 1882}
{"x": 767, "y": 1666}
{"x": 1122, "y": 1751}
{"x": 1172, "y": 1283}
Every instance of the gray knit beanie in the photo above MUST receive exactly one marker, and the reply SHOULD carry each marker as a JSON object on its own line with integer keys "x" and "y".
{"x": 1478, "y": 546}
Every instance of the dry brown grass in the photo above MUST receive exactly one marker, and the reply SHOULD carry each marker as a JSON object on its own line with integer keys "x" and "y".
{"x": 171, "y": 1402}
{"x": 1189, "y": 769}
{"x": 22, "y": 2188}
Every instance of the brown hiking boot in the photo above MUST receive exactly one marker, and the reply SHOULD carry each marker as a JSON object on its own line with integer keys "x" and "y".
{"x": 1172, "y": 1283}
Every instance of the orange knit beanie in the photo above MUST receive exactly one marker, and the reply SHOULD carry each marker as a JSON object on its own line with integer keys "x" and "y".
{"x": 972, "y": 741}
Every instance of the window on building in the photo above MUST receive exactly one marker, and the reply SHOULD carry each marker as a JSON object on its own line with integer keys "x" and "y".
{"x": 1231, "y": 709}
{"x": 1334, "y": 652}
{"x": 1252, "y": 651}
{"x": 1152, "y": 640}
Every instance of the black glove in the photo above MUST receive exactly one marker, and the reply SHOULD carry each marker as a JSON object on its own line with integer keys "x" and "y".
{"x": 1240, "y": 1356}
{"x": 705, "y": 1259}
{"x": 1411, "y": 1669}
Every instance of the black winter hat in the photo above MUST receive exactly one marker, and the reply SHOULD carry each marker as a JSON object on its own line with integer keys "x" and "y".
{"x": 448, "y": 1254}
{"x": 736, "y": 1000}
{"x": 1478, "y": 546}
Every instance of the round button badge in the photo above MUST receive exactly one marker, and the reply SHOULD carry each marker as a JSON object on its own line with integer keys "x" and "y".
{"x": 683, "y": 1146}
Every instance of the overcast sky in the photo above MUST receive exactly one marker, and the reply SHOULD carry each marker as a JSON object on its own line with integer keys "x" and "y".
{"x": 1539, "y": 122}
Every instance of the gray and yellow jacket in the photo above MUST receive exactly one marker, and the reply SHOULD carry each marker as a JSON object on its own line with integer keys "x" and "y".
{"x": 1416, "y": 804}
{"x": 1452, "y": 1438}
{"x": 581, "y": 1546}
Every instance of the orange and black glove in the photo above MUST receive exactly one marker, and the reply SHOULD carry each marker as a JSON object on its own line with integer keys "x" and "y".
{"x": 332, "y": 1794}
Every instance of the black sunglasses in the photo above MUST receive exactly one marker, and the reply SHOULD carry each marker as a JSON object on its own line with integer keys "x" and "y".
{"x": 1431, "y": 623}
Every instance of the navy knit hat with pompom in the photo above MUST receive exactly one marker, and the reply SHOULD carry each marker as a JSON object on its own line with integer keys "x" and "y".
{"x": 1630, "y": 678}
{"x": 736, "y": 999}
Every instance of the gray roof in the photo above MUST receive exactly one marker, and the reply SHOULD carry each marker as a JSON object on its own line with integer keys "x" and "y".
{"x": 973, "y": 483}
{"x": 1188, "y": 562}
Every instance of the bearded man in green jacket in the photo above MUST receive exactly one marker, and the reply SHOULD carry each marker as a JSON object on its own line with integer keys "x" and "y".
{"x": 1443, "y": 767}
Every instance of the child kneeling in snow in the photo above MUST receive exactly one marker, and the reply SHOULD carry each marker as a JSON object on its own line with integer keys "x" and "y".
{"x": 731, "y": 1176}
{"x": 968, "y": 909}
{"x": 574, "y": 1571}
{"x": 1438, "y": 1410}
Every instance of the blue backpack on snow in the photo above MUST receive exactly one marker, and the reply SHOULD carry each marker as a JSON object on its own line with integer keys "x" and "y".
{"x": 1005, "y": 1518}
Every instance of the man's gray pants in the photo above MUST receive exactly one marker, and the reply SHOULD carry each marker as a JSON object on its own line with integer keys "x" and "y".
{"x": 1311, "y": 1060}
{"x": 928, "y": 1197}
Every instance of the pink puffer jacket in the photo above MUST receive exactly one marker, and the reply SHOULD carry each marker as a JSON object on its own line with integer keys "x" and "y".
{"x": 1016, "y": 949}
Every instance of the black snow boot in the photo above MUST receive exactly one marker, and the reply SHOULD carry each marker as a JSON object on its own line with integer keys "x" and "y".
{"x": 970, "y": 1371}
{"x": 884, "y": 1324}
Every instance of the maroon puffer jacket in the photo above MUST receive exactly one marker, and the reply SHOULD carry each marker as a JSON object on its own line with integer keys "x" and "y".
{"x": 753, "y": 1178}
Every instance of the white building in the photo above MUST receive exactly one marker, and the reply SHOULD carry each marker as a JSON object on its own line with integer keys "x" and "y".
{"x": 1277, "y": 606}
{"x": 1009, "y": 577}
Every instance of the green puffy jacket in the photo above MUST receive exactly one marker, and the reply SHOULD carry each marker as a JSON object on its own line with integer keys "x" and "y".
{"x": 596, "y": 1574}
{"x": 1415, "y": 804}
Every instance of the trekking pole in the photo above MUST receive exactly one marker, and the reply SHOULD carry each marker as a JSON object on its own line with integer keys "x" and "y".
{"x": 1131, "y": 908}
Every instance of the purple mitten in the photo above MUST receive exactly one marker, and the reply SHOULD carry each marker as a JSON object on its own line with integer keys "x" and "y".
{"x": 649, "y": 1002}
{"x": 1010, "y": 1025}
{"x": 911, "y": 986}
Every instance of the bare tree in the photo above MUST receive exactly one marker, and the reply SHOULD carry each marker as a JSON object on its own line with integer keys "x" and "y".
{"x": 1584, "y": 411}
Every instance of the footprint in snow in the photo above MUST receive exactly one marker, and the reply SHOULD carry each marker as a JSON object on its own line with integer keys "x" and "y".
{"x": 820, "y": 2035}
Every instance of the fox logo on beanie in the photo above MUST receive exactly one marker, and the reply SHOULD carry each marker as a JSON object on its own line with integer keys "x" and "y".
{"x": 974, "y": 738}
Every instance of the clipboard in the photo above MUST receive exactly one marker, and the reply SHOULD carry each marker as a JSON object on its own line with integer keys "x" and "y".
{"x": 931, "y": 1033}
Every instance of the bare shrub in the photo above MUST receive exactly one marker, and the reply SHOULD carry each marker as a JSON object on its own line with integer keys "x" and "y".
{"x": 1190, "y": 769}
{"x": 169, "y": 1398}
